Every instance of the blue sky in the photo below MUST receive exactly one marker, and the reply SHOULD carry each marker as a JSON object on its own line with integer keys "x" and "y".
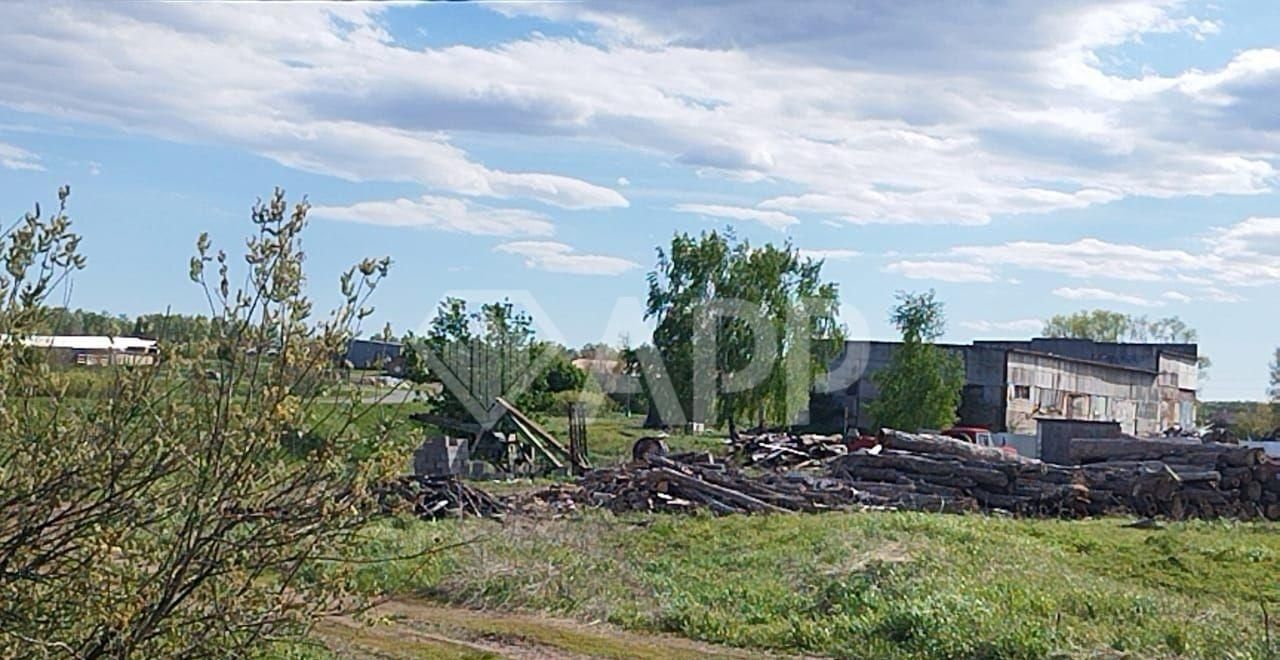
{"x": 1023, "y": 158}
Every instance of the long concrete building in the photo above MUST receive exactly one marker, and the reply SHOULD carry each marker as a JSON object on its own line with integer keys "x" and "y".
{"x": 1009, "y": 385}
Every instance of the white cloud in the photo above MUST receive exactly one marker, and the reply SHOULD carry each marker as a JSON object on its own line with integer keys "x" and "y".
{"x": 1020, "y": 326}
{"x": 455, "y": 215}
{"x": 830, "y": 254}
{"x": 1244, "y": 254}
{"x": 624, "y": 181}
{"x": 17, "y": 158}
{"x": 870, "y": 112}
{"x": 945, "y": 271}
{"x": 561, "y": 258}
{"x": 1087, "y": 257}
{"x": 1214, "y": 294}
{"x": 207, "y": 72}
{"x": 933, "y": 112}
{"x": 1103, "y": 295}
{"x": 771, "y": 219}
{"x": 1176, "y": 296}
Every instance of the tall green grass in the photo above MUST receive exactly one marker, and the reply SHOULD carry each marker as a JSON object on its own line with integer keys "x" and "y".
{"x": 866, "y": 585}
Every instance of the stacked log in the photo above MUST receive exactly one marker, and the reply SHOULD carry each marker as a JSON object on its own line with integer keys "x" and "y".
{"x": 439, "y": 497}
{"x": 1019, "y": 488}
{"x": 1170, "y": 450}
{"x": 1214, "y": 479}
{"x": 1171, "y": 478}
{"x": 927, "y": 443}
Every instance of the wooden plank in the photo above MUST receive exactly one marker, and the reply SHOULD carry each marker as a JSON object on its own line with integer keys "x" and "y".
{"x": 537, "y": 442}
{"x": 533, "y": 426}
{"x": 739, "y": 498}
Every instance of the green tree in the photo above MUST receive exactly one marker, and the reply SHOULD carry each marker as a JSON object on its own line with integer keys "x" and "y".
{"x": 1108, "y": 326}
{"x": 1273, "y": 391}
{"x": 1097, "y": 324}
{"x": 488, "y": 353}
{"x": 921, "y": 386}
{"x": 1256, "y": 420}
{"x": 697, "y": 274}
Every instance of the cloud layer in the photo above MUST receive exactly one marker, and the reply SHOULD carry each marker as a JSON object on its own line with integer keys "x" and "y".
{"x": 561, "y": 258}
{"x": 879, "y": 111}
{"x": 16, "y": 158}
{"x": 455, "y": 215}
{"x": 1246, "y": 254}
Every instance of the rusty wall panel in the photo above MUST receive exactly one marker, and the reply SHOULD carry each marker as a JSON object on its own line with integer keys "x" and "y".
{"x": 1074, "y": 390}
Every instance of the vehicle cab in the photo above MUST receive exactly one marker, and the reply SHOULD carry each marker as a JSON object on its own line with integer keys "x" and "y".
{"x": 978, "y": 436}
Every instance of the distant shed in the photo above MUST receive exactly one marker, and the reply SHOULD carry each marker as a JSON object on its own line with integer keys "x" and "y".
{"x": 374, "y": 354}
{"x": 96, "y": 350}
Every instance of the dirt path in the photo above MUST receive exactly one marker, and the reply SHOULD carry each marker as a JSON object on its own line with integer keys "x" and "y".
{"x": 418, "y": 629}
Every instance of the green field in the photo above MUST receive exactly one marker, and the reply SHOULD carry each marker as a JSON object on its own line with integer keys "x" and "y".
{"x": 858, "y": 585}
{"x": 864, "y": 585}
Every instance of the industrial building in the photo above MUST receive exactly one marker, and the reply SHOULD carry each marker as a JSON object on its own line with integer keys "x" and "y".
{"x": 97, "y": 351}
{"x": 1009, "y": 385}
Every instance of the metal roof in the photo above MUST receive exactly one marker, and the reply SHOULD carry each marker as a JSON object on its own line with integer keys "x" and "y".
{"x": 91, "y": 342}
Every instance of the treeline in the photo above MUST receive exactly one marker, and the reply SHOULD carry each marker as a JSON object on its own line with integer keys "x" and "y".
{"x": 1242, "y": 419}
{"x": 164, "y": 326}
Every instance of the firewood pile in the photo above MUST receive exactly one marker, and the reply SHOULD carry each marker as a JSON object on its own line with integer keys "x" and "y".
{"x": 784, "y": 450}
{"x": 683, "y": 483}
{"x": 439, "y": 497}
{"x": 1176, "y": 479}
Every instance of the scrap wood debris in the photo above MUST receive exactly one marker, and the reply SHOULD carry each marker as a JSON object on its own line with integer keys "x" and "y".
{"x": 698, "y": 481}
{"x": 785, "y": 450}
{"x": 439, "y": 497}
{"x": 919, "y": 472}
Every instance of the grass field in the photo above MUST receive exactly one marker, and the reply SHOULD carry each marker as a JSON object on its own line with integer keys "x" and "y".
{"x": 865, "y": 585}
{"x": 858, "y": 585}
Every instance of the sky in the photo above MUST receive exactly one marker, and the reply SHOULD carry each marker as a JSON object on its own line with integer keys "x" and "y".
{"x": 1022, "y": 158}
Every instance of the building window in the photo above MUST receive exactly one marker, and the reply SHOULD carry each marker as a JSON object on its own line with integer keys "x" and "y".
{"x": 1101, "y": 407}
{"x": 1022, "y": 392}
{"x": 1046, "y": 399}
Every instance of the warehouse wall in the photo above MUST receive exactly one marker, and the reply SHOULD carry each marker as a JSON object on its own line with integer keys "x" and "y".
{"x": 1041, "y": 386}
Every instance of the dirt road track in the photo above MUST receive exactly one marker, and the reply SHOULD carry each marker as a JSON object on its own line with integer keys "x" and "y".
{"x": 418, "y": 629}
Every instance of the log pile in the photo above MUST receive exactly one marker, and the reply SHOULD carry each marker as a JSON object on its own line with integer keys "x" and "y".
{"x": 964, "y": 484}
{"x": 783, "y": 450}
{"x": 439, "y": 497}
{"x": 1175, "y": 479}
{"x": 1212, "y": 480}
{"x": 1170, "y": 478}
{"x": 684, "y": 483}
